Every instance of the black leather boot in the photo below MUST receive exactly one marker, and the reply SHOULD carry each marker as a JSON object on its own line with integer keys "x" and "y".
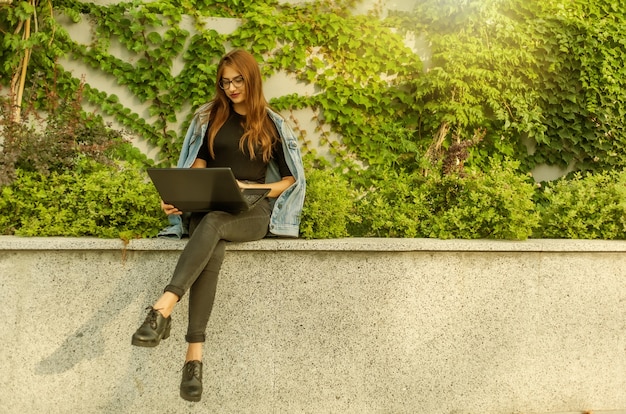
{"x": 154, "y": 328}
{"x": 191, "y": 385}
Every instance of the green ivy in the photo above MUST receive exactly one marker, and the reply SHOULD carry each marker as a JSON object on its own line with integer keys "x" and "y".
{"x": 546, "y": 76}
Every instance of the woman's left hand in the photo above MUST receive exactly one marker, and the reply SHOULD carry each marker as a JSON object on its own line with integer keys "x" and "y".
{"x": 276, "y": 188}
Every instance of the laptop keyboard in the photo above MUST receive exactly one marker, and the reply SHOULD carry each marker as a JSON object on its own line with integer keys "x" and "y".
{"x": 251, "y": 199}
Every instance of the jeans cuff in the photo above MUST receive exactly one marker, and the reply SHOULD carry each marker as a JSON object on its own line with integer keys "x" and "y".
{"x": 193, "y": 338}
{"x": 175, "y": 290}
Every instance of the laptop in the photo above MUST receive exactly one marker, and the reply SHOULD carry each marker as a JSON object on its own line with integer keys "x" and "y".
{"x": 204, "y": 189}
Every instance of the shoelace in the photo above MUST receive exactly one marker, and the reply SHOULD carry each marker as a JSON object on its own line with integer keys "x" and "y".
{"x": 152, "y": 317}
{"x": 192, "y": 369}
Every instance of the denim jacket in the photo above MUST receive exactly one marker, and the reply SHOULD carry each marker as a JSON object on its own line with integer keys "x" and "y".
{"x": 286, "y": 209}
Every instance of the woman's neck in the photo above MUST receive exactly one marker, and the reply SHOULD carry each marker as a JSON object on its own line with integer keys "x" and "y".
{"x": 240, "y": 109}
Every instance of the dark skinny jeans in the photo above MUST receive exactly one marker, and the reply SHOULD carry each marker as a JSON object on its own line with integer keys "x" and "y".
{"x": 200, "y": 262}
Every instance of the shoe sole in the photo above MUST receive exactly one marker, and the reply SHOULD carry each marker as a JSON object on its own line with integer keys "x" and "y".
{"x": 144, "y": 344}
{"x": 189, "y": 398}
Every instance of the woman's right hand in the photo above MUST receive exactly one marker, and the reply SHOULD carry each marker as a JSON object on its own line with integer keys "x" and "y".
{"x": 170, "y": 209}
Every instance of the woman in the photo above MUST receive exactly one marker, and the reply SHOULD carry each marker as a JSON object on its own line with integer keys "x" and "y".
{"x": 237, "y": 130}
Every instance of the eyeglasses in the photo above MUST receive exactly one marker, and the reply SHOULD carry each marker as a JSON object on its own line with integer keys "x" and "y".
{"x": 237, "y": 82}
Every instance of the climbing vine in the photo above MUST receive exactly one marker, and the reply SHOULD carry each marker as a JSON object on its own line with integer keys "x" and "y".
{"x": 544, "y": 80}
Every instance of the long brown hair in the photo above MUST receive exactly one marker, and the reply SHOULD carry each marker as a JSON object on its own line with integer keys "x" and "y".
{"x": 259, "y": 131}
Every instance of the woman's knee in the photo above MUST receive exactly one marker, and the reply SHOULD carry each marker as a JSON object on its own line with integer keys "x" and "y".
{"x": 206, "y": 221}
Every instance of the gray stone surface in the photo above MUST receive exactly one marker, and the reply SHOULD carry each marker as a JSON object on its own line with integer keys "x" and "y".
{"x": 323, "y": 326}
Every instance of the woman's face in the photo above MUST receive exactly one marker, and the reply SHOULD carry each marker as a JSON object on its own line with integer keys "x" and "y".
{"x": 235, "y": 88}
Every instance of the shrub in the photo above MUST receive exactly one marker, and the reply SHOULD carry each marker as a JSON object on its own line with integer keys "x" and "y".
{"x": 92, "y": 200}
{"x": 589, "y": 206}
{"x": 58, "y": 140}
{"x": 66, "y": 173}
{"x": 328, "y": 206}
{"x": 392, "y": 207}
{"x": 496, "y": 204}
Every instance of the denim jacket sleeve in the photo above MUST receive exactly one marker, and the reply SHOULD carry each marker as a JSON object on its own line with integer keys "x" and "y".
{"x": 287, "y": 208}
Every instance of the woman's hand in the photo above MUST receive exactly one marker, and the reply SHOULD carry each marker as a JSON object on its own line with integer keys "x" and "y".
{"x": 242, "y": 185}
{"x": 276, "y": 188}
{"x": 170, "y": 209}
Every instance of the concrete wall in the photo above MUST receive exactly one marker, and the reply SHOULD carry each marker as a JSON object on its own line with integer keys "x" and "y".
{"x": 325, "y": 326}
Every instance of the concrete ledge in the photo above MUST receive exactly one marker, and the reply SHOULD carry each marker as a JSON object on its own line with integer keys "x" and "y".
{"x": 348, "y": 244}
{"x": 321, "y": 326}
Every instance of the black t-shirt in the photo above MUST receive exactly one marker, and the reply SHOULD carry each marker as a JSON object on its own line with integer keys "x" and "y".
{"x": 228, "y": 154}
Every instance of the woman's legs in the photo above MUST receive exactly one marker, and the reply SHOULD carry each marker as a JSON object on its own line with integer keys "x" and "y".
{"x": 205, "y": 236}
{"x": 202, "y": 295}
{"x": 199, "y": 264}
{"x": 198, "y": 269}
